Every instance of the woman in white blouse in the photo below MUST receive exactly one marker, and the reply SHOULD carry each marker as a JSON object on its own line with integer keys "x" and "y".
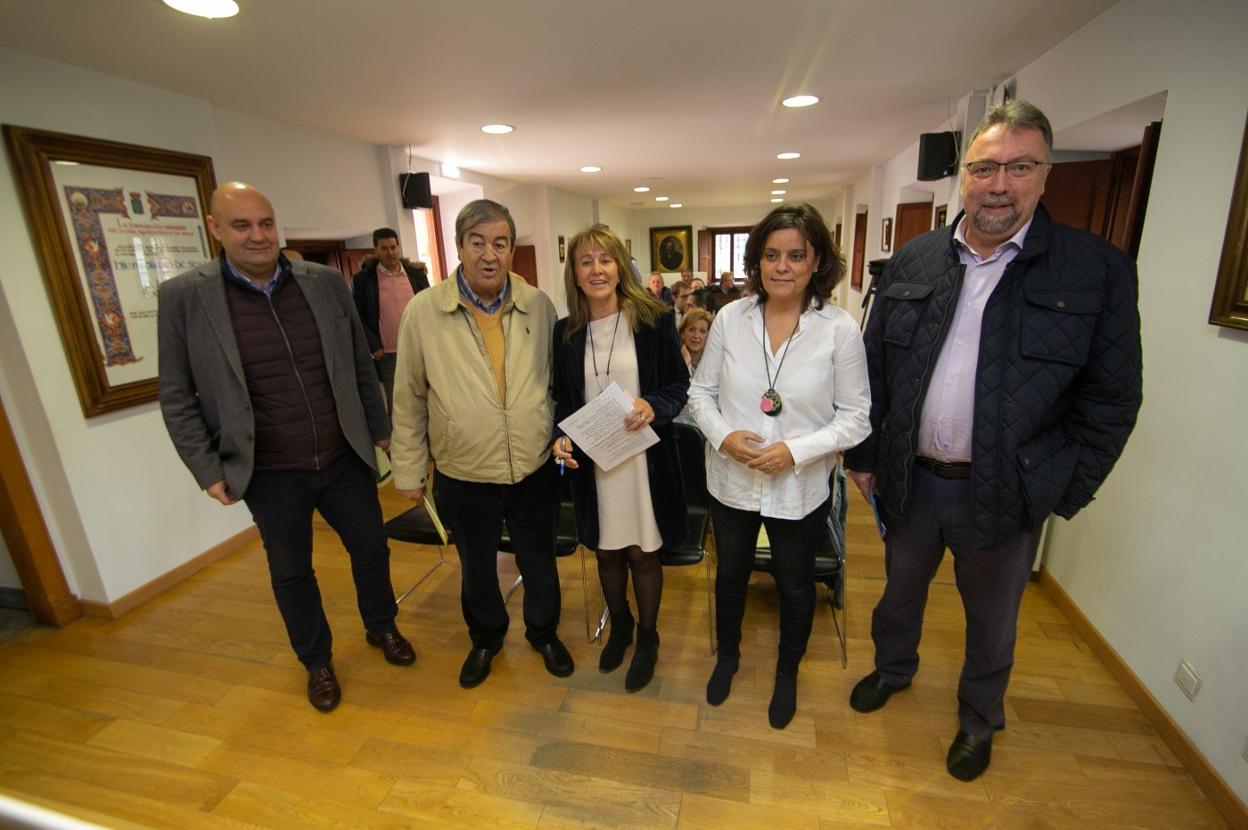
{"x": 780, "y": 391}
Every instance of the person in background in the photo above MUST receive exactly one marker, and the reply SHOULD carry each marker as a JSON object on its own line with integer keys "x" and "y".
{"x": 616, "y": 332}
{"x": 781, "y": 389}
{"x": 680, "y": 300}
{"x": 726, "y": 284}
{"x": 472, "y": 390}
{"x": 657, "y": 289}
{"x": 270, "y": 397}
{"x": 694, "y": 328}
{"x": 1004, "y": 353}
{"x": 382, "y": 289}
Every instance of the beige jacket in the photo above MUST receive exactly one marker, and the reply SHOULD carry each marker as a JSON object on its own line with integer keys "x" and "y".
{"x": 446, "y": 402}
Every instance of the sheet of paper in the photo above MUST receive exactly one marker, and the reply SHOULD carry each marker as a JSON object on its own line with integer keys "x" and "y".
{"x": 433, "y": 517}
{"x": 598, "y": 429}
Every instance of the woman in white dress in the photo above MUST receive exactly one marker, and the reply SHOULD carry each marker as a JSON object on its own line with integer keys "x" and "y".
{"x": 616, "y": 332}
{"x": 780, "y": 391}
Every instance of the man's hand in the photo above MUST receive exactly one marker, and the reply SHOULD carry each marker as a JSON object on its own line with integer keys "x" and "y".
{"x": 738, "y": 445}
{"x": 561, "y": 449}
{"x": 417, "y": 496}
{"x": 865, "y": 482}
{"x": 377, "y": 354}
{"x": 383, "y": 444}
{"x": 772, "y": 459}
{"x": 219, "y": 492}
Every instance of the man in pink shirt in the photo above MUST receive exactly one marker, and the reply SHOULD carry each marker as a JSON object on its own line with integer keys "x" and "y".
{"x": 382, "y": 289}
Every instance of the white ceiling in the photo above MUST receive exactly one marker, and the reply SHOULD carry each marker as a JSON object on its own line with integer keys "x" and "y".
{"x": 680, "y": 95}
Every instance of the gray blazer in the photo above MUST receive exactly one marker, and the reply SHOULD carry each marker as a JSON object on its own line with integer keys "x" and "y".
{"x": 203, "y": 392}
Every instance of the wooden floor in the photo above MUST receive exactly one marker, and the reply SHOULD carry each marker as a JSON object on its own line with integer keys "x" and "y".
{"x": 190, "y": 712}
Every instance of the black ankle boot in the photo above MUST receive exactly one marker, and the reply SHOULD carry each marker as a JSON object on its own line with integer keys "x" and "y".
{"x": 720, "y": 684}
{"x": 644, "y": 657}
{"x": 783, "y": 700}
{"x": 620, "y": 638}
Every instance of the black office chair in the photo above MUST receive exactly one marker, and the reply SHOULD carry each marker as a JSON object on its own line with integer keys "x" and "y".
{"x": 566, "y": 542}
{"x": 829, "y": 559}
{"x": 416, "y": 527}
{"x": 692, "y": 551}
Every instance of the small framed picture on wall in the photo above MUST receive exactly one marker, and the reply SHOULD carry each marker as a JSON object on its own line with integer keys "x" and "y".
{"x": 886, "y": 235}
{"x": 940, "y": 216}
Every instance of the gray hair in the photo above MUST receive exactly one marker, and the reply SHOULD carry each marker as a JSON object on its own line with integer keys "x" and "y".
{"x": 478, "y": 211}
{"x": 1016, "y": 115}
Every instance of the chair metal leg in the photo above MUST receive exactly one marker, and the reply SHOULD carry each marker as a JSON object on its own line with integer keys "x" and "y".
{"x": 591, "y": 636}
{"x": 441, "y": 561}
{"x": 512, "y": 589}
{"x": 710, "y": 602}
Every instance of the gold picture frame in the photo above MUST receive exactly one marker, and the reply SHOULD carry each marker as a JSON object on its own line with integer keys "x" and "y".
{"x": 670, "y": 249}
{"x": 110, "y": 222}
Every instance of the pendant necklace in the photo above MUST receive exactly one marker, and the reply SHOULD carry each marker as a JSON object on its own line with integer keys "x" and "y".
{"x": 589, "y": 329}
{"x": 770, "y": 402}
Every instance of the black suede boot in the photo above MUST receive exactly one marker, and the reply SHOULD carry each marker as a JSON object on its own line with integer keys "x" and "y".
{"x": 620, "y": 638}
{"x": 644, "y": 657}
{"x": 720, "y": 684}
{"x": 783, "y": 700}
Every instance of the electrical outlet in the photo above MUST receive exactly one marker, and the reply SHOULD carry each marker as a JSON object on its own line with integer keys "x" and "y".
{"x": 1188, "y": 679}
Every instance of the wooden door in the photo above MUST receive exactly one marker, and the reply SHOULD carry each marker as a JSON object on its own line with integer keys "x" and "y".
{"x": 705, "y": 237}
{"x": 913, "y": 218}
{"x": 860, "y": 250}
{"x": 353, "y": 260}
{"x": 524, "y": 263}
{"x": 1077, "y": 193}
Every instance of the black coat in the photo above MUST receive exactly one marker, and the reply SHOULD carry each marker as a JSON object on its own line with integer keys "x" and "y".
{"x": 664, "y": 383}
{"x": 1057, "y": 386}
{"x": 367, "y": 298}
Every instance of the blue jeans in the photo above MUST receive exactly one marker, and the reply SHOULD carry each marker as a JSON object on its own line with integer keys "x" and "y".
{"x": 281, "y": 504}
{"x": 991, "y": 582}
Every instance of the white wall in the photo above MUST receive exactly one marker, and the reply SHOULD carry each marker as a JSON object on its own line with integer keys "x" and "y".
{"x": 1158, "y": 561}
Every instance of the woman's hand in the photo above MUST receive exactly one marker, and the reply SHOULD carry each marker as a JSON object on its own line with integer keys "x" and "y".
{"x": 741, "y": 445}
{"x": 772, "y": 459}
{"x": 561, "y": 449}
{"x": 641, "y": 414}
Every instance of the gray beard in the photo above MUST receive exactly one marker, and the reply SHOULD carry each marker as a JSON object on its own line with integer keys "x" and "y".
{"x": 995, "y": 225}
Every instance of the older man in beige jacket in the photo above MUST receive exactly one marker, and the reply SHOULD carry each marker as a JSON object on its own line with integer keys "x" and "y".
{"x": 472, "y": 390}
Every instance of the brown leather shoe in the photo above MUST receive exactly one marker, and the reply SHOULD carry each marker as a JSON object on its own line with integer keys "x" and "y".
{"x": 394, "y": 646}
{"x": 324, "y": 693}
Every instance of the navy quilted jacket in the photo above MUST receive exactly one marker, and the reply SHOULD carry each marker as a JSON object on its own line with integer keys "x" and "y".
{"x": 1058, "y": 383}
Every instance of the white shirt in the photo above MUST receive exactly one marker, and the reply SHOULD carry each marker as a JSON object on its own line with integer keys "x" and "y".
{"x": 948, "y": 414}
{"x": 825, "y": 397}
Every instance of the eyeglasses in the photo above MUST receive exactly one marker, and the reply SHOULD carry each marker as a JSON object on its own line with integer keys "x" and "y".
{"x": 1016, "y": 169}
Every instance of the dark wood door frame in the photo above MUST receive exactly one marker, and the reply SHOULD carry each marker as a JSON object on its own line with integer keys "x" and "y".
{"x": 26, "y": 535}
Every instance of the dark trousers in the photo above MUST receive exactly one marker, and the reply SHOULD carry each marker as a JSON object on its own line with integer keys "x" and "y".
{"x": 991, "y": 582}
{"x": 793, "y": 546}
{"x": 474, "y": 514}
{"x": 386, "y": 365}
{"x": 345, "y": 493}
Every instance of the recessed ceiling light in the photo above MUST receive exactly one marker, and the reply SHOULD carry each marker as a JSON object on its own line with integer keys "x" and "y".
{"x": 497, "y": 129}
{"x": 642, "y": 189}
{"x": 660, "y": 198}
{"x": 205, "y": 8}
{"x": 787, "y": 156}
{"x": 675, "y": 205}
{"x": 800, "y": 101}
{"x": 778, "y": 192}
{"x": 591, "y": 168}
{"x": 779, "y": 181}
{"x": 776, "y": 201}
{"x": 450, "y": 171}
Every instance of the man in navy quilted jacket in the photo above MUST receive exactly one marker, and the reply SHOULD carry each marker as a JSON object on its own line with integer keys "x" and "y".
{"x": 1004, "y": 357}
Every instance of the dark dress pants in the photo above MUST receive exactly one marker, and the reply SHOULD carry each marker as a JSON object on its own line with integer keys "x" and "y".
{"x": 386, "y": 365}
{"x": 474, "y": 514}
{"x": 281, "y": 504}
{"x": 941, "y": 515}
{"x": 793, "y": 546}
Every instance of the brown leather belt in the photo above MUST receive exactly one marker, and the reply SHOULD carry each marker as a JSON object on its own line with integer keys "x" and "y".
{"x": 944, "y": 469}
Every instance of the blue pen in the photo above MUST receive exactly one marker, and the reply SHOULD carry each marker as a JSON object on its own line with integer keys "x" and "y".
{"x": 559, "y": 461}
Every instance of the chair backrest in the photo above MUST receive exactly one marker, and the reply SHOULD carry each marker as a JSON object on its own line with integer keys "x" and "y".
{"x": 692, "y": 455}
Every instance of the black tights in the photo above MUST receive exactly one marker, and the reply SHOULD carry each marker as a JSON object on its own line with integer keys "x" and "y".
{"x": 613, "y": 568}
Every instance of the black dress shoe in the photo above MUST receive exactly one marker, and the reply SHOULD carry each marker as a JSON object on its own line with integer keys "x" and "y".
{"x": 394, "y": 646}
{"x": 476, "y": 667}
{"x": 556, "y": 657}
{"x": 968, "y": 756}
{"x": 324, "y": 693}
{"x": 871, "y": 693}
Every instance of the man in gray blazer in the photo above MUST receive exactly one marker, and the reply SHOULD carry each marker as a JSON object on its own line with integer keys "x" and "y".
{"x": 269, "y": 394}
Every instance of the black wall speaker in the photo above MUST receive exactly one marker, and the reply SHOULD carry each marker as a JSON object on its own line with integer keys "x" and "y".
{"x": 938, "y": 155}
{"x": 414, "y": 190}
